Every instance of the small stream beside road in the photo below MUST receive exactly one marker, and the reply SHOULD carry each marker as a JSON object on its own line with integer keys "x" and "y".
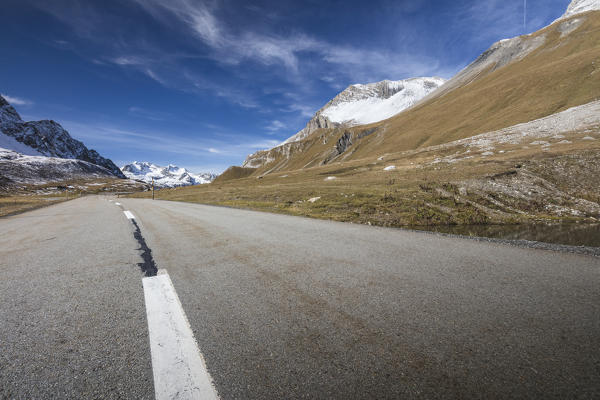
{"x": 571, "y": 234}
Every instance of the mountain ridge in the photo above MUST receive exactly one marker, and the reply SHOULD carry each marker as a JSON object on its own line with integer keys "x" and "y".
{"x": 169, "y": 176}
{"x": 48, "y": 138}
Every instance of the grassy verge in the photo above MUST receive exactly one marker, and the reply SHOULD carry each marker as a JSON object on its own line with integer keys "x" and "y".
{"x": 507, "y": 189}
{"x": 11, "y": 205}
{"x": 15, "y": 200}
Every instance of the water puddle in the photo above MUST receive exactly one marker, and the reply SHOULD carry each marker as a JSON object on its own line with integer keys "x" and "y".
{"x": 568, "y": 234}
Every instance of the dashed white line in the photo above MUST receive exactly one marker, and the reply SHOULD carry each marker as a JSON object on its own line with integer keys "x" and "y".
{"x": 117, "y": 204}
{"x": 178, "y": 366}
{"x": 128, "y": 214}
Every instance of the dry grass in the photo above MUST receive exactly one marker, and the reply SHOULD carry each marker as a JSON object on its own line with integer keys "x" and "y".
{"x": 15, "y": 200}
{"x": 10, "y": 205}
{"x": 235, "y": 173}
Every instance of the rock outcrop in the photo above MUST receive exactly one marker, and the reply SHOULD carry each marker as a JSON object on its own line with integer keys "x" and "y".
{"x": 50, "y": 139}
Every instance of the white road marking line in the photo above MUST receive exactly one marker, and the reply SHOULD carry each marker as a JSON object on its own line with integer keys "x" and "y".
{"x": 178, "y": 366}
{"x": 128, "y": 214}
{"x": 117, "y": 204}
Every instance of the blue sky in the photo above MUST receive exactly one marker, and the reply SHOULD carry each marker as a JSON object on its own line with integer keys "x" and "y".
{"x": 201, "y": 84}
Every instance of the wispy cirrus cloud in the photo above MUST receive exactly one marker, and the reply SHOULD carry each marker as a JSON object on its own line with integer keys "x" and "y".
{"x": 255, "y": 58}
{"x": 165, "y": 142}
{"x": 141, "y": 112}
{"x": 498, "y": 19}
{"x": 275, "y": 125}
{"x": 228, "y": 47}
{"x": 231, "y": 47}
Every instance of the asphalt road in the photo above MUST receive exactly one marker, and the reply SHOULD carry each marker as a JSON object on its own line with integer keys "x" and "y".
{"x": 286, "y": 307}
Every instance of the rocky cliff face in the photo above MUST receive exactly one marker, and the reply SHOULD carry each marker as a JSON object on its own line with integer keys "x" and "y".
{"x": 50, "y": 139}
{"x": 17, "y": 169}
{"x": 319, "y": 121}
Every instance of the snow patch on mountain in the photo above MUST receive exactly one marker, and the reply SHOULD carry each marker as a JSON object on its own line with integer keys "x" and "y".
{"x": 581, "y": 6}
{"x": 365, "y": 104}
{"x": 359, "y": 105}
{"x": 374, "y": 102}
{"x": 10, "y": 143}
{"x": 169, "y": 176}
{"x": 46, "y": 138}
{"x": 17, "y": 168}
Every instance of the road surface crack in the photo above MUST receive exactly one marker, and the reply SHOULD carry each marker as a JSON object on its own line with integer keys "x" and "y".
{"x": 148, "y": 265}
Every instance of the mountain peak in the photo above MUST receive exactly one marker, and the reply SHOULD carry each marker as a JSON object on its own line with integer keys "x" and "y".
{"x": 47, "y": 138}
{"x": 581, "y": 6}
{"x": 362, "y": 104}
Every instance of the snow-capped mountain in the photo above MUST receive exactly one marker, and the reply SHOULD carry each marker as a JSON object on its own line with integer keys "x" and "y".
{"x": 361, "y": 104}
{"x": 365, "y": 104}
{"x": 45, "y": 138}
{"x": 18, "y": 168}
{"x": 373, "y": 102}
{"x": 581, "y": 6}
{"x": 169, "y": 176}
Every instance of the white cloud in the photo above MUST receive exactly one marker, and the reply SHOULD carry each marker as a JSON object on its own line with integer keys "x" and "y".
{"x": 128, "y": 139}
{"x": 497, "y": 19}
{"x": 17, "y": 101}
{"x": 275, "y": 126}
{"x": 305, "y": 110}
{"x": 228, "y": 47}
{"x": 129, "y": 60}
{"x": 264, "y": 144}
{"x": 166, "y": 142}
{"x": 150, "y": 115}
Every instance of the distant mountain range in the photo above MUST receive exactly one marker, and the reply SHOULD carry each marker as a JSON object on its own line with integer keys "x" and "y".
{"x": 43, "y": 151}
{"x": 169, "y": 176}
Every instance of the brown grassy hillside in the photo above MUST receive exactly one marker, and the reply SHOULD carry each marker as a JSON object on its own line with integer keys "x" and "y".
{"x": 561, "y": 73}
{"x": 234, "y": 173}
